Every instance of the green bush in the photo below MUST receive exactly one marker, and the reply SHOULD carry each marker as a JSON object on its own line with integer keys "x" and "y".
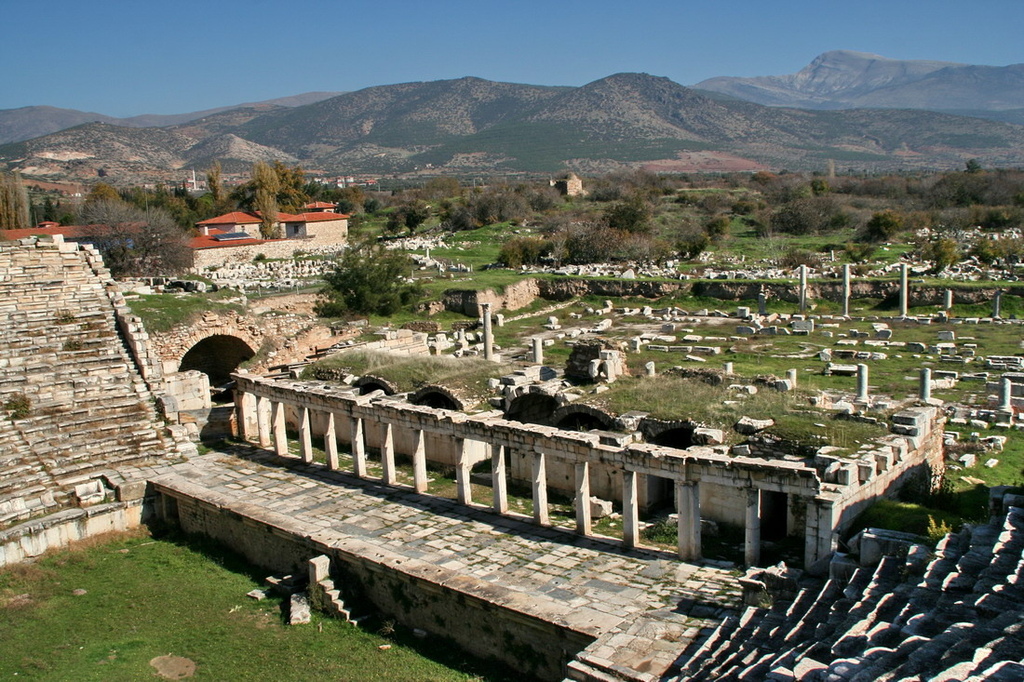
{"x": 19, "y": 406}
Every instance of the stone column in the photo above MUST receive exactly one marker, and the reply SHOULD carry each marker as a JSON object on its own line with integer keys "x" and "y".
{"x": 819, "y": 540}
{"x": 904, "y": 291}
{"x": 688, "y": 519}
{"x": 1005, "y": 395}
{"x": 630, "y": 509}
{"x": 419, "y": 463}
{"x": 762, "y": 303}
{"x": 862, "y": 383}
{"x": 499, "y": 483}
{"x": 540, "y": 490}
{"x": 583, "y": 498}
{"x": 925, "y": 392}
{"x": 245, "y": 405}
{"x": 791, "y": 374}
{"x": 538, "y": 350}
{"x": 263, "y": 419}
{"x": 305, "y": 437}
{"x": 846, "y": 290}
{"x": 948, "y": 303}
{"x": 728, "y": 369}
{"x": 387, "y": 454}
{"x": 331, "y": 442}
{"x": 997, "y": 304}
{"x": 358, "y": 447}
{"x": 488, "y": 334}
{"x": 280, "y": 430}
{"x": 752, "y": 528}
{"x": 803, "y": 288}
{"x": 463, "y": 488}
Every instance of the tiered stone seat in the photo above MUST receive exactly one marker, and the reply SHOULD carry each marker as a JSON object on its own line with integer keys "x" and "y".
{"x": 962, "y": 619}
{"x": 60, "y": 348}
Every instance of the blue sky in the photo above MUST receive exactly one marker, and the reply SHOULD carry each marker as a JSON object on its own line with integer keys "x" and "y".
{"x": 123, "y": 58}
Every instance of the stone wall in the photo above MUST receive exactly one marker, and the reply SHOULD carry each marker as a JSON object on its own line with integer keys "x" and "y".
{"x": 482, "y": 618}
{"x": 216, "y": 256}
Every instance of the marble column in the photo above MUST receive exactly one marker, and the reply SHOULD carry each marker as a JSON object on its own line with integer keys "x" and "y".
{"x": 387, "y": 454}
{"x": 263, "y": 420}
{"x": 463, "y": 487}
{"x": 305, "y": 437}
{"x": 1005, "y": 395}
{"x": 488, "y": 334}
{"x": 846, "y": 290}
{"x": 997, "y": 304}
{"x": 630, "y": 509}
{"x": 499, "y": 481}
{"x": 752, "y": 528}
{"x": 904, "y": 291}
{"x": 280, "y": 430}
{"x": 803, "y": 288}
{"x": 331, "y": 442}
{"x": 688, "y": 515}
{"x": 540, "y": 490}
{"x": 862, "y": 383}
{"x": 925, "y": 392}
{"x": 358, "y": 447}
{"x": 948, "y": 302}
{"x": 538, "y": 350}
{"x": 762, "y": 303}
{"x": 791, "y": 374}
{"x": 419, "y": 463}
{"x": 245, "y": 406}
{"x": 583, "y": 521}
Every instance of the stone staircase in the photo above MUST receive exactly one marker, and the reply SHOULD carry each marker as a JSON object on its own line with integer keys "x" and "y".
{"x": 86, "y": 409}
{"x": 959, "y": 617}
{"x": 325, "y": 594}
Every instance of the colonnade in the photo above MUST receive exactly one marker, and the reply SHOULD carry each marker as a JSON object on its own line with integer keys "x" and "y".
{"x": 261, "y": 417}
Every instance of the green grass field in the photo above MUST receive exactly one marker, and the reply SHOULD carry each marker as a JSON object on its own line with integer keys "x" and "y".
{"x": 146, "y": 597}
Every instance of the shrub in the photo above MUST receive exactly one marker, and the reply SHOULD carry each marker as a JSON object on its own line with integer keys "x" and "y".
{"x": 19, "y": 406}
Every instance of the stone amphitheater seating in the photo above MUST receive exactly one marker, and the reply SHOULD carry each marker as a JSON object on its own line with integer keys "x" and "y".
{"x": 90, "y": 410}
{"x": 959, "y": 617}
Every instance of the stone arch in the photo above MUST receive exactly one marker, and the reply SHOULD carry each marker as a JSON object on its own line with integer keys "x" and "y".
{"x": 532, "y": 408}
{"x": 437, "y": 397}
{"x": 216, "y": 356}
{"x": 368, "y": 383}
{"x": 574, "y": 417}
{"x": 672, "y": 434}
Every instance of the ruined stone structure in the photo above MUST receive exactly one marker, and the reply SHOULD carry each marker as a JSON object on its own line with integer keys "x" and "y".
{"x": 813, "y": 500}
{"x": 570, "y": 185}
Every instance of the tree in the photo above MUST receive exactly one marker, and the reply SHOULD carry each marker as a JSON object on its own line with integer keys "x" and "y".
{"x": 883, "y": 226}
{"x": 631, "y": 215}
{"x": 13, "y": 202}
{"x": 368, "y": 280}
{"x": 214, "y": 183}
{"x": 137, "y": 242}
{"x": 265, "y": 186}
{"x": 101, "y": 191}
{"x": 945, "y": 252}
{"x": 972, "y": 166}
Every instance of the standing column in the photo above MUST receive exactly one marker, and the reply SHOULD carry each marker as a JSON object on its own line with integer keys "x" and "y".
{"x": 752, "y": 535}
{"x": 499, "y": 484}
{"x": 762, "y": 303}
{"x": 862, "y": 383}
{"x": 803, "y": 288}
{"x": 688, "y": 515}
{"x": 358, "y": 447}
{"x": 1005, "y": 395}
{"x": 948, "y": 303}
{"x": 846, "y": 290}
{"x": 305, "y": 437}
{"x": 419, "y": 463}
{"x": 463, "y": 487}
{"x": 538, "y": 350}
{"x": 925, "y": 392}
{"x": 904, "y": 291}
{"x": 280, "y": 430}
{"x": 791, "y": 374}
{"x": 331, "y": 442}
{"x": 997, "y": 304}
{"x": 583, "y": 498}
{"x": 245, "y": 405}
{"x": 540, "y": 490}
{"x": 263, "y": 411}
{"x": 488, "y": 334}
{"x": 630, "y": 510}
{"x": 387, "y": 454}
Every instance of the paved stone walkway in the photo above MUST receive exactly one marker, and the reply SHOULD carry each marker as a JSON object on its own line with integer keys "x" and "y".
{"x": 627, "y": 587}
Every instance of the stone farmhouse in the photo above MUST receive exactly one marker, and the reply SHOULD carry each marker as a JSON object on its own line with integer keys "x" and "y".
{"x": 235, "y": 236}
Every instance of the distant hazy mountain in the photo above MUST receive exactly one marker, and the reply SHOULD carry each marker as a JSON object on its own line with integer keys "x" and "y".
{"x": 28, "y": 122}
{"x": 474, "y": 126}
{"x": 847, "y": 80}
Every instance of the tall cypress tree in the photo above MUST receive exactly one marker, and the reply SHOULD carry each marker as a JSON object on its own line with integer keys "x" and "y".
{"x": 13, "y": 202}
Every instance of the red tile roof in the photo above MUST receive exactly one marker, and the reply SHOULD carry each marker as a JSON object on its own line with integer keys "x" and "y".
{"x": 314, "y": 217}
{"x": 319, "y": 204}
{"x": 68, "y": 231}
{"x": 233, "y": 218}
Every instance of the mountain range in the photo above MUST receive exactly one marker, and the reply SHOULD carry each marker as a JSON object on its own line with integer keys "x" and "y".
{"x": 843, "y": 109}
